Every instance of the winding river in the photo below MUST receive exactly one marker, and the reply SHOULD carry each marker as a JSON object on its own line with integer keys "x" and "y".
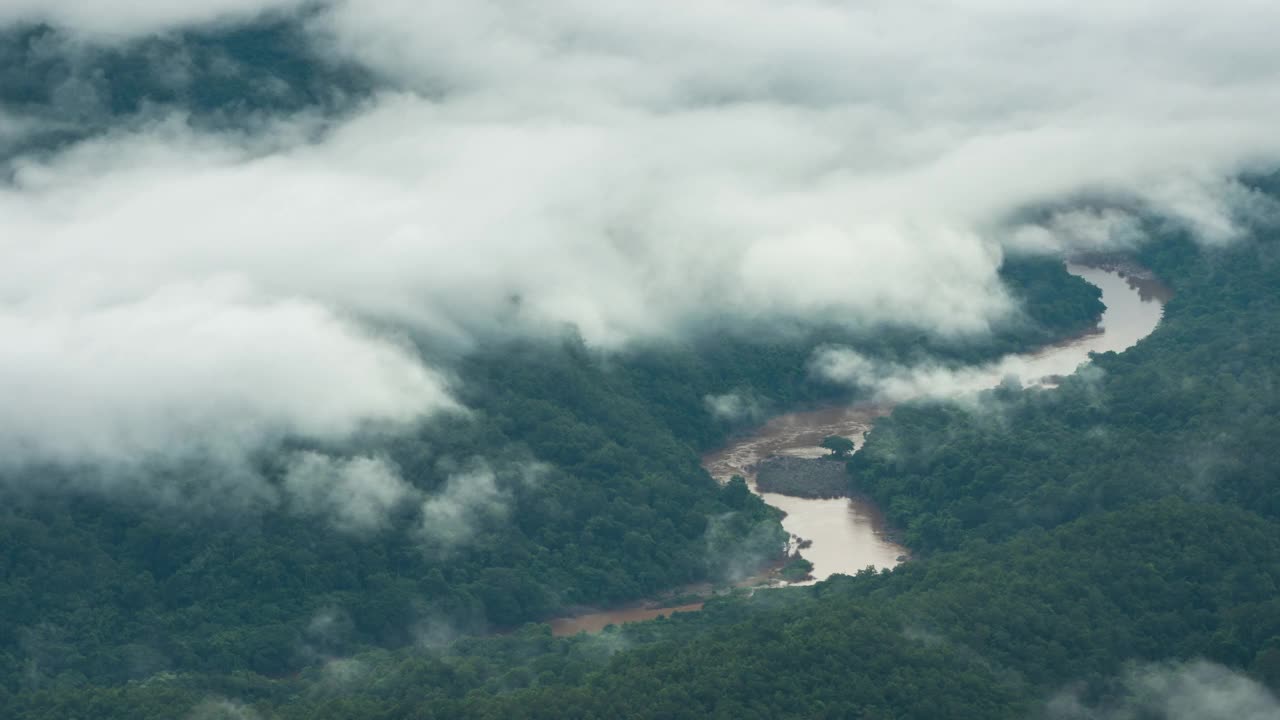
{"x": 847, "y": 535}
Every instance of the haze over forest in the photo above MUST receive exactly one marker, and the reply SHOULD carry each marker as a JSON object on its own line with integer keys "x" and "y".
{"x": 346, "y": 344}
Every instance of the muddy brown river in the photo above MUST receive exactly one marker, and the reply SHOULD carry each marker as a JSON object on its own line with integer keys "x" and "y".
{"x": 848, "y": 535}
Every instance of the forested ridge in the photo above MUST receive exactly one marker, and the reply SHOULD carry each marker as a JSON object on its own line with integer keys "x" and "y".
{"x": 1064, "y": 536}
{"x": 1186, "y": 412}
{"x": 348, "y": 345}
{"x": 595, "y": 460}
{"x": 1129, "y": 515}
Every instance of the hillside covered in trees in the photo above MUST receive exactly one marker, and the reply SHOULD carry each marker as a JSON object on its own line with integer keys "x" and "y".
{"x": 347, "y": 345}
{"x": 595, "y": 498}
{"x": 1066, "y": 537}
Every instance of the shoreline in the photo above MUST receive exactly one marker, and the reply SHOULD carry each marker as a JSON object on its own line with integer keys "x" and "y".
{"x": 786, "y": 435}
{"x": 743, "y": 452}
{"x": 687, "y": 598}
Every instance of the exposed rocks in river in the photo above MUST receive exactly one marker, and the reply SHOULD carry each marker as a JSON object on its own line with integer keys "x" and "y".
{"x": 803, "y": 477}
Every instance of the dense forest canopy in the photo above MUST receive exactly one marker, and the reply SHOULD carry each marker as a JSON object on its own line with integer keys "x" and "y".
{"x": 345, "y": 344}
{"x": 1152, "y": 575}
{"x": 592, "y": 495}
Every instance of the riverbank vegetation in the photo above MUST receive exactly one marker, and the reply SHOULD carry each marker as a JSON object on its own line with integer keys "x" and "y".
{"x": 993, "y": 631}
{"x": 1188, "y": 412}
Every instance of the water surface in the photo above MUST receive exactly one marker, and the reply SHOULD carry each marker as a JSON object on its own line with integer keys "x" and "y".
{"x": 848, "y": 534}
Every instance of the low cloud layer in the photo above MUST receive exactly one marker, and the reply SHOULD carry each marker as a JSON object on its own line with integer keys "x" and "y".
{"x": 1132, "y": 313}
{"x": 189, "y": 369}
{"x": 629, "y": 169}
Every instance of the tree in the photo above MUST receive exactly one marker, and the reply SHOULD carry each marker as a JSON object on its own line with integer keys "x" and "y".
{"x": 840, "y": 447}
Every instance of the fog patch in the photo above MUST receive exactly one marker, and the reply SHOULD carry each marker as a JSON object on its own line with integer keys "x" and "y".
{"x": 16, "y": 129}
{"x": 638, "y": 173}
{"x": 735, "y": 552}
{"x": 450, "y": 516}
{"x": 893, "y": 382}
{"x": 473, "y": 495}
{"x": 222, "y": 709}
{"x": 1081, "y": 230}
{"x": 357, "y": 494}
{"x": 364, "y": 494}
{"x": 330, "y": 625}
{"x": 341, "y": 673}
{"x": 735, "y": 407}
{"x": 436, "y": 634}
{"x": 328, "y": 635}
{"x": 1197, "y": 690}
{"x": 1131, "y": 315}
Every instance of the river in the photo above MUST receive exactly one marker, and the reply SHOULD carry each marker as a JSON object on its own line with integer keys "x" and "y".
{"x": 848, "y": 535}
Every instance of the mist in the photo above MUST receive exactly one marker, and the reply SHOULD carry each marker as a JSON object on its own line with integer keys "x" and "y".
{"x": 1134, "y": 308}
{"x": 628, "y": 170}
{"x": 1197, "y": 690}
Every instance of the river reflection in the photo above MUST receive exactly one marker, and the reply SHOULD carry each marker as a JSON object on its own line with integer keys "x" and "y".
{"x": 848, "y": 535}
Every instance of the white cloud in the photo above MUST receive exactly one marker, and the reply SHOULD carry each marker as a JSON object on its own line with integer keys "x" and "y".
{"x": 470, "y": 496}
{"x": 450, "y": 516}
{"x": 1129, "y": 317}
{"x": 190, "y": 367}
{"x": 630, "y": 168}
{"x": 734, "y": 407}
{"x": 357, "y": 494}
